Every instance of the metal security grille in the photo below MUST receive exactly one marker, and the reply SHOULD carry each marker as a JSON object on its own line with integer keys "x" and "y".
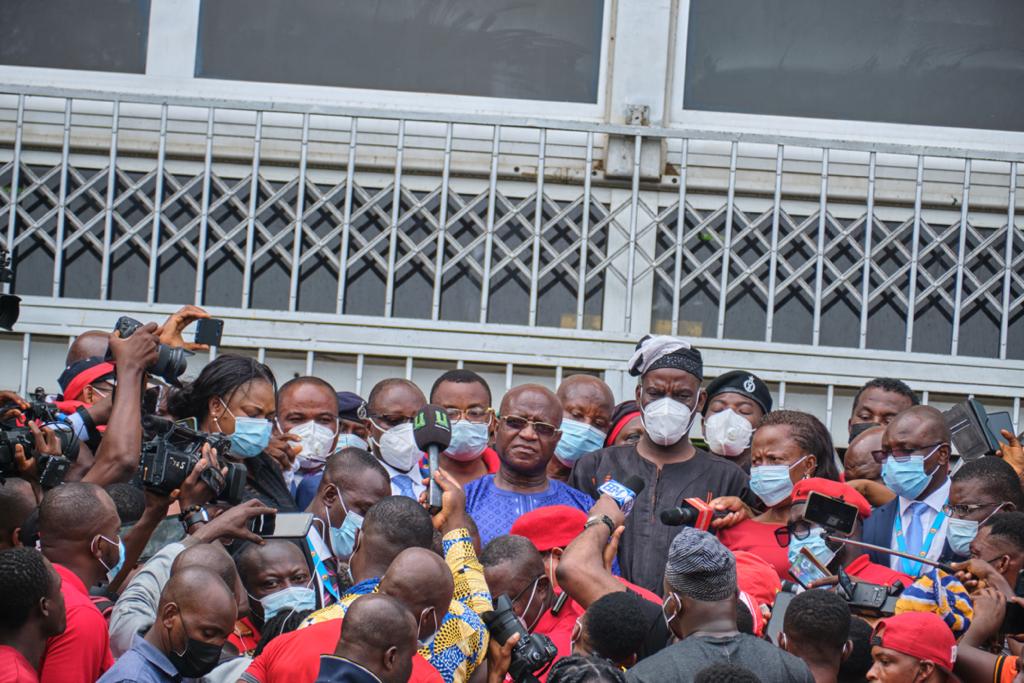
{"x": 502, "y": 240}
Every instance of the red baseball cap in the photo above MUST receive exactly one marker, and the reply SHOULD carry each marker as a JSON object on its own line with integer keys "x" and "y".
{"x": 832, "y": 489}
{"x": 550, "y": 527}
{"x": 922, "y": 635}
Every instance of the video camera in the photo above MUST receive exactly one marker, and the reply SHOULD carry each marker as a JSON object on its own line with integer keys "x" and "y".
{"x": 51, "y": 468}
{"x": 532, "y": 654}
{"x": 169, "y": 457}
{"x": 171, "y": 362}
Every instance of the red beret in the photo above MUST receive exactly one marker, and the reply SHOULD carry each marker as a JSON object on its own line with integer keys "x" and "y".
{"x": 550, "y": 527}
{"x": 832, "y": 489}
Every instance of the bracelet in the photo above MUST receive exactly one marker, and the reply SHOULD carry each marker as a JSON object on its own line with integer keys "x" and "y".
{"x": 188, "y": 511}
{"x": 601, "y": 519}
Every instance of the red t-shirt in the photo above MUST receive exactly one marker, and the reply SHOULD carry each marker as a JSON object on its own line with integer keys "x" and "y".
{"x": 759, "y": 539}
{"x": 82, "y": 653}
{"x": 295, "y": 657}
{"x": 872, "y": 572}
{"x": 14, "y": 668}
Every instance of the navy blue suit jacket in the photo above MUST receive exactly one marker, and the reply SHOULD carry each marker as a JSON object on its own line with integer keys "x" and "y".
{"x": 878, "y": 530}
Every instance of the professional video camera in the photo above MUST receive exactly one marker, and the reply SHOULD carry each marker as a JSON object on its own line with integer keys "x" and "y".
{"x": 532, "y": 654}
{"x": 169, "y": 457}
{"x": 51, "y": 468}
{"x": 171, "y": 362}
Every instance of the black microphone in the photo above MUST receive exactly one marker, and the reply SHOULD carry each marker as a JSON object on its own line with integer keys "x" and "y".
{"x": 691, "y": 512}
{"x": 433, "y": 433}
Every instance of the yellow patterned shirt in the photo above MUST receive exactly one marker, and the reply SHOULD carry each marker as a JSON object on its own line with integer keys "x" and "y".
{"x": 460, "y": 644}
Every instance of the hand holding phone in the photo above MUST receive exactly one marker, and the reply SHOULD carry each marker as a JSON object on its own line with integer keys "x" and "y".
{"x": 209, "y": 331}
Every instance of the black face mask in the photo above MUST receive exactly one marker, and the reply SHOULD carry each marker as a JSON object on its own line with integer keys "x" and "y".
{"x": 858, "y": 428}
{"x": 197, "y": 659}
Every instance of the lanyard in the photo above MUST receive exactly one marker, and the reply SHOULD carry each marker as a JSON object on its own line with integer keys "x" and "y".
{"x": 912, "y": 568}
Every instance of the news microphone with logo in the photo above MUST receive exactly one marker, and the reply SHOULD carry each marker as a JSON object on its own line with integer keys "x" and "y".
{"x": 433, "y": 433}
{"x": 692, "y": 512}
{"x": 624, "y": 493}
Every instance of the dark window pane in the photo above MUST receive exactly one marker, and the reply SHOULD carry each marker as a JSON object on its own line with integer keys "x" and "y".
{"x": 98, "y": 35}
{"x": 928, "y": 62}
{"x": 528, "y": 49}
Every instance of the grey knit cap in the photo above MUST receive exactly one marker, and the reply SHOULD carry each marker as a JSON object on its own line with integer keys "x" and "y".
{"x": 700, "y": 567}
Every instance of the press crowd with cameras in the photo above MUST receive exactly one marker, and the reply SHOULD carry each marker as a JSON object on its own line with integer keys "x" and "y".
{"x": 164, "y": 522}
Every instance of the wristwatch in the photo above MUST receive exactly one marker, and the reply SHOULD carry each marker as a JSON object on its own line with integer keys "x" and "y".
{"x": 601, "y": 519}
{"x": 192, "y": 516}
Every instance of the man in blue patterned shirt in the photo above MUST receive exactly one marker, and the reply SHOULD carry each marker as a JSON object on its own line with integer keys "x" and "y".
{"x": 528, "y": 431}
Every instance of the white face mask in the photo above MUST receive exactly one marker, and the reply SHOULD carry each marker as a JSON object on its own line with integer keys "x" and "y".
{"x": 667, "y": 420}
{"x": 316, "y": 442}
{"x": 398, "y": 447}
{"x": 728, "y": 433}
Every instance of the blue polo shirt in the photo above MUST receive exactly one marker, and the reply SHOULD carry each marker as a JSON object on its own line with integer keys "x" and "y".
{"x": 143, "y": 663}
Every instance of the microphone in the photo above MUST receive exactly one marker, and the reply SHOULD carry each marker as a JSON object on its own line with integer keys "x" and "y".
{"x": 433, "y": 433}
{"x": 624, "y": 493}
{"x": 691, "y": 512}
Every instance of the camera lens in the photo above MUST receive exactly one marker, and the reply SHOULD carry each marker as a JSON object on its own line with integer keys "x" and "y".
{"x": 170, "y": 364}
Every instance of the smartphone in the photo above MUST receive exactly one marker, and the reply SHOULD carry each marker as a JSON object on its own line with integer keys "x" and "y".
{"x": 831, "y": 513}
{"x": 998, "y": 421}
{"x": 806, "y": 569}
{"x": 774, "y": 627}
{"x": 209, "y": 331}
{"x": 289, "y": 525}
{"x": 1013, "y": 622}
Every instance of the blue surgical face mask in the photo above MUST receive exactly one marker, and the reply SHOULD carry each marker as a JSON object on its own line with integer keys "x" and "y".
{"x": 252, "y": 434}
{"x": 469, "y": 439}
{"x": 343, "y": 539}
{"x": 293, "y": 598}
{"x": 815, "y": 543}
{"x": 907, "y": 479}
{"x": 771, "y": 483}
{"x": 578, "y": 439}
{"x": 960, "y": 532}
{"x": 351, "y": 441}
{"x": 116, "y": 569}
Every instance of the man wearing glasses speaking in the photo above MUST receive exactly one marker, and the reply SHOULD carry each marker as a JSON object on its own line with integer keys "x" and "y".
{"x": 915, "y": 465}
{"x": 525, "y": 438}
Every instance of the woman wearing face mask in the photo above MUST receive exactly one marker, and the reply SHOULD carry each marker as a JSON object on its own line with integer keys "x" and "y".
{"x": 737, "y": 402}
{"x": 787, "y": 447}
{"x": 234, "y": 395}
{"x": 799, "y": 533}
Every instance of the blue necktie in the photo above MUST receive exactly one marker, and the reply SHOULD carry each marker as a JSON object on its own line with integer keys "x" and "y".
{"x": 915, "y": 530}
{"x": 404, "y": 484}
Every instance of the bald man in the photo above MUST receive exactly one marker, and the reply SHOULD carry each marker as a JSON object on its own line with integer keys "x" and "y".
{"x": 858, "y": 461}
{"x": 79, "y": 533}
{"x": 917, "y": 447}
{"x": 194, "y": 619}
{"x": 380, "y": 639}
{"x": 389, "y": 411}
{"x": 587, "y": 406}
{"x": 17, "y": 501}
{"x": 423, "y": 583}
{"x": 528, "y": 431}
{"x": 89, "y": 344}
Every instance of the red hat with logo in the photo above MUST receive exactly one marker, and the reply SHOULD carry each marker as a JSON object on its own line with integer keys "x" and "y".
{"x": 550, "y": 527}
{"x": 832, "y": 489}
{"x": 922, "y": 635}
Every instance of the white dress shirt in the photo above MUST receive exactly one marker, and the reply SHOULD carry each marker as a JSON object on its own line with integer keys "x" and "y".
{"x": 934, "y": 501}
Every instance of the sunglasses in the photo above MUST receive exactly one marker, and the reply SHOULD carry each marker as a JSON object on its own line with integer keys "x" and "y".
{"x": 518, "y": 424}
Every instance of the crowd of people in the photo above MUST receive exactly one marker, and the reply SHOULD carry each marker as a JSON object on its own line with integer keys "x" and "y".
{"x": 230, "y": 528}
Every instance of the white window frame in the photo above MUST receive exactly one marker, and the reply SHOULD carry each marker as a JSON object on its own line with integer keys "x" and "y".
{"x": 171, "y": 60}
{"x": 864, "y": 132}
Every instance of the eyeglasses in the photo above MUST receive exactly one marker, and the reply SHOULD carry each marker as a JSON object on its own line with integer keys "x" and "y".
{"x": 531, "y": 585}
{"x": 518, "y": 424}
{"x": 904, "y": 454}
{"x": 965, "y": 509}
{"x": 798, "y": 530}
{"x": 475, "y": 415}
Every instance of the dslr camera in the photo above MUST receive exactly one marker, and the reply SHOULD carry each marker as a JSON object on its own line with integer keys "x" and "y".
{"x": 532, "y": 654}
{"x": 169, "y": 457}
{"x": 51, "y": 468}
{"x": 171, "y": 362}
